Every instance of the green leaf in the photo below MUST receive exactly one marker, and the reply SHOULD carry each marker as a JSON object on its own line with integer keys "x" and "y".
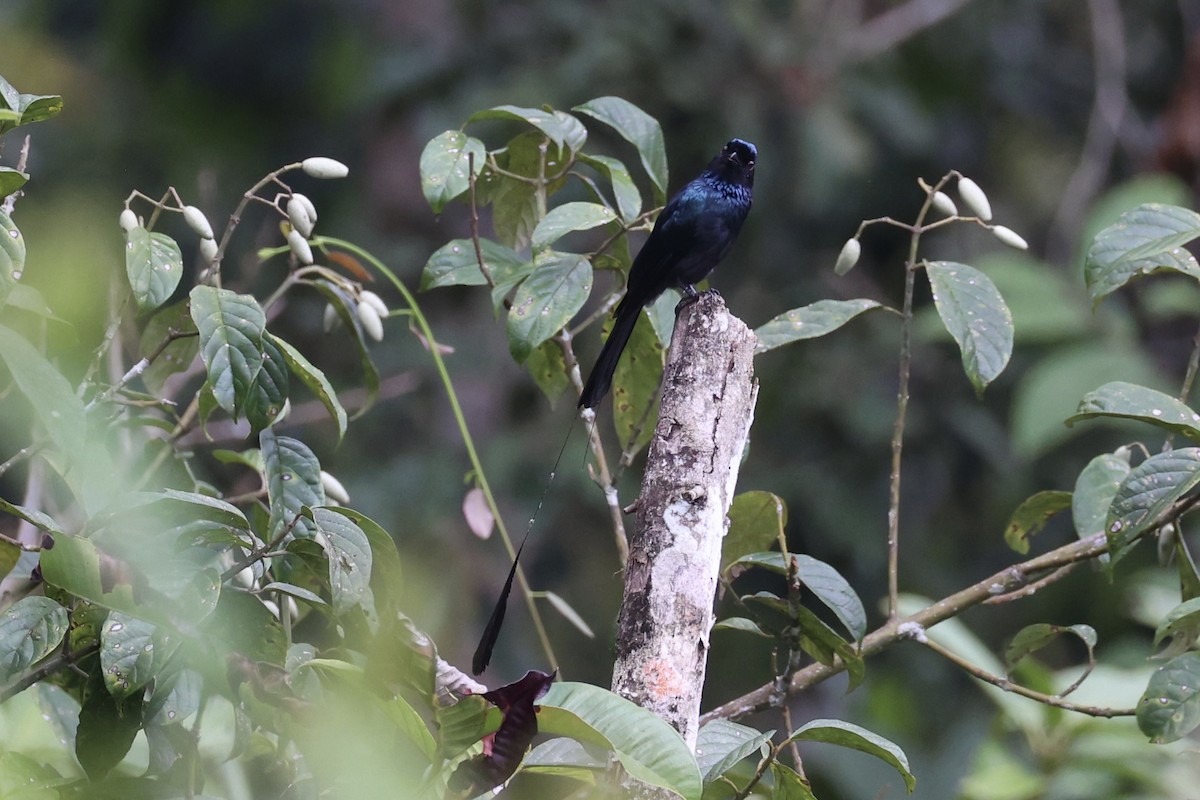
{"x": 1182, "y": 622}
{"x": 545, "y": 121}
{"x": 293, "y": 477}
{"x": 635, "y": 388}
{"x": 546, "y": 301}
{"x": 809, "y": 322}
{"x": 976, "y": 316}
{"x": 345, "y": 308}
{"x": 625, "y": 191}
{"x": 176, "y": 697}
{"x": 30, "y": 629}
{"x": 131, "y": 654}
{"x": 1130, "y": 401}
{"x": 12, "y": 256}
{"x": 721, "y": 744}
{"x": 154, "y": 265}
{"x": 456, "y": 264}
{"x": 314, "y": 379}
{"x": 549, "y": 370}
{"x": 1032, "y": 515}
{"x": 1095, "y": 489}
{"x": 298, "y": 592}
{"x": 231, "y": 328}
{"x": 1170, "y": 707}
{"x": 444, "y": 167}
{"x": 349, "y": 557}
{"x": 845, "y": 734}
{"x": 826, "y": 584}
{"x": 822, "y": 643}
{"x": 569, "y": 217}
{"x": 39, "y": 107}
{"x": 53, "y": 400}
{"x": 179, "y": 354}
{"x": 270, "y": 388}
{"x": 648, "y": 748}
{"x": 38, "y": 519}
{"x": 11, "y": 180}
{"x": 788, "y": 784}
{"x": 574, "y": 134}
{"x": 662, "y": 315}
{"x": 569, "y": 614}
{"x": 1144, "y": 240}
{"x": 1034, "y": 637}
{"x": 1149, "y": 490}
{"x": 639, "y": 129}
{"x": 756, "y": 521}
{"x": 741, "y": 624}
{"x": 106, "y": 732}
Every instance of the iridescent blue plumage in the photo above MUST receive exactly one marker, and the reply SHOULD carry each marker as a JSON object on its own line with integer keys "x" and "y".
{"x": 693, "y": 233}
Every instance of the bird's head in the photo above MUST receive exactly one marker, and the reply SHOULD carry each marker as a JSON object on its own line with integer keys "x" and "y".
{"x": 735, "y": 162}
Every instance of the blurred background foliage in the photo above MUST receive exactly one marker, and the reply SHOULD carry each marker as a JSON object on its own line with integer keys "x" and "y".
{"x": 1065, "y": 112}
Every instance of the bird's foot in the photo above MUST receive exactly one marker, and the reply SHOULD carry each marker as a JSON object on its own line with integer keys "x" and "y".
{"x": 690, "y": 295}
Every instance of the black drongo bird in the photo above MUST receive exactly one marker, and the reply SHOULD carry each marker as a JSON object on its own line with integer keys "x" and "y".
{"x": 691, "y": 236}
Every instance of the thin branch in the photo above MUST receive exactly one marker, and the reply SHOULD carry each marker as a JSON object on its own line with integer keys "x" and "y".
{"x": 888, "y": 30}
{"x": 260, "y": 552}
{"x": 1015, "y": 688}
{"x": 49, "y": 667}
{"x": 1032, "y": 588}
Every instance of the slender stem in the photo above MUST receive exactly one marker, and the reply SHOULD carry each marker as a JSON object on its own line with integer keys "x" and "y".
{"x": 236, "y": 217}
{"x": 1032, "y": 588}
{"x": 1009, "y": 686}
{"x": 468, "y": 442}
{"x": 47, "y": 668}
{"x": 893, "y": 514}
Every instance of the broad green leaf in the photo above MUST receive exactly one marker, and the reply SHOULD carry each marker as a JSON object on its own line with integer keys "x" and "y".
{"x": 293, "y": 477}
{"x": 756, "y": 521}
{"x": 456, "y": 264}
{"x": 569, "y": 614}
{"x": 53, "y": 400}
{"x": 741, "y": 624}
{"x": 515, "y": 214}
{"x": 546, "y": 301}
{"x": 131, "y": 654}
{"x": 1170, "y": 707}
{"x": 545, "y": 121}
{"x": 175, "y": 698}
{"x": 463, "y": 724}
{"x": 662, "y": 315}
{"x": 823, "y": 581}
{"x": 1032, "y": 515}
{"x": 1144, "y": 240}
{"x": 721, "y": 744}
{"x": 549, "y": 370}
{"x": 1149, "y": 490}
{"x": 11, "y": 180}
{"x": 60, "y": 710}
{"x": 625, "y": 191}
{"x": 569, "y": 217}
{"x": 12, "y": 255}
{"x": 231, "y": 328}
{"x": 1183, "y": 621}
{"x": 845, "y": 734}
{"x": 204, "y": 507}
{"x": 270, "y": 388}
{"x": 976, "y": 316}
{"x": 1034, "y": 637}
{"x": 154, "y": 266}
{"x": 788, "y": 784}
{"x": 179, "y": 354}
{"x": 1130, "y": 401}
{"x": 822, "y": 643}
{"x": 39, "y": 107}
{"x": 344, "y": 307}
{"x": 566, "y": 758}
{"x": 315, "y": 380}
{"x": 298, "y": 592}
{"x": 809, "y": 322}
{"x": 106, "y": 732}
{"x": 574, "y": 134}
{"x": 349, "y": 557}
{"x": 635, "y": 388}
{"x": 648, "y": 748}
{"x": 10, "y": 554}
{"x": 38, "y": 519}
{"x": 639, "y": 129}
{"x": 444, "y": 167}
{"x": 387, "y": 578}
{"x": 1095, "y": 489}
{"x": 30, "y": 629}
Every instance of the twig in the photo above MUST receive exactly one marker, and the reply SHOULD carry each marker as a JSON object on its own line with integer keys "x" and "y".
{"x": 1016, "y": 688}
{"x": 896, "y": 25}
{"x": 258, "y": 553}
{"x": 48, "y": 667}
{"x": 474, "y": 220}
{"x": 1032, "y": 588}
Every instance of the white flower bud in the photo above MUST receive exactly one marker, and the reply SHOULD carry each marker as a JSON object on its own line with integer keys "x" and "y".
{"x": 943, "y": 203}
{"x": 308, "y": 205}
{"x": 208, "y": 250}
{"x": 848, "y": 257}
{"x": 321, "y": 167}
{"x": 196, "y": 220}
{"x": 298, "y": 215}
{"x": 300, "y": 247}
{"x": 370, "y": 320}
{"x": 1009, "y": 237}
{"x": 1123, "y": 452}
{"x": 334, "y": 488}
{"x": 975, "y": 199}
{"x": 375, "y": 301}
{"x": 330, "y": 319}
{"x": 128, "y": 220}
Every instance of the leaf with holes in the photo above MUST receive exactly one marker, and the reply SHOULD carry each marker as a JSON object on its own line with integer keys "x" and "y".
{"x": 1144, "y": 240}
{"x": 131, "y": 654}
{"x": 1130, "y": 401}
{"x": 457, "y": 264}
{"x": 154, "y": 266}
{"x": 567, "y": 218}
{"x": 976, "y": 316}
{"x": 293, "y": 477}
{"x": 809, "y": 322}
{"x": 12, "y": 255}
{"x": 546, "y": 300}
{"x": 349, "y": 557}
{"x": 30, "y": 629}
{"x": 11, "y": 180}
{"x": 443, "y": 167}
{"x": 231, "y": 328}
{"x": 1032, "y": 515}
{"x": 1095, "y": 489}
{"x": 639, "y": 129}
{"x": 1145, "y": 495}
{"x": 1170, "y": 707}
{"x": 1181, "y": 623}
{"x": 844, "y": 734}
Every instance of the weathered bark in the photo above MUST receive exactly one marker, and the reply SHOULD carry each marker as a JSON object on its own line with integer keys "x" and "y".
{"x": 708, "y": 400}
